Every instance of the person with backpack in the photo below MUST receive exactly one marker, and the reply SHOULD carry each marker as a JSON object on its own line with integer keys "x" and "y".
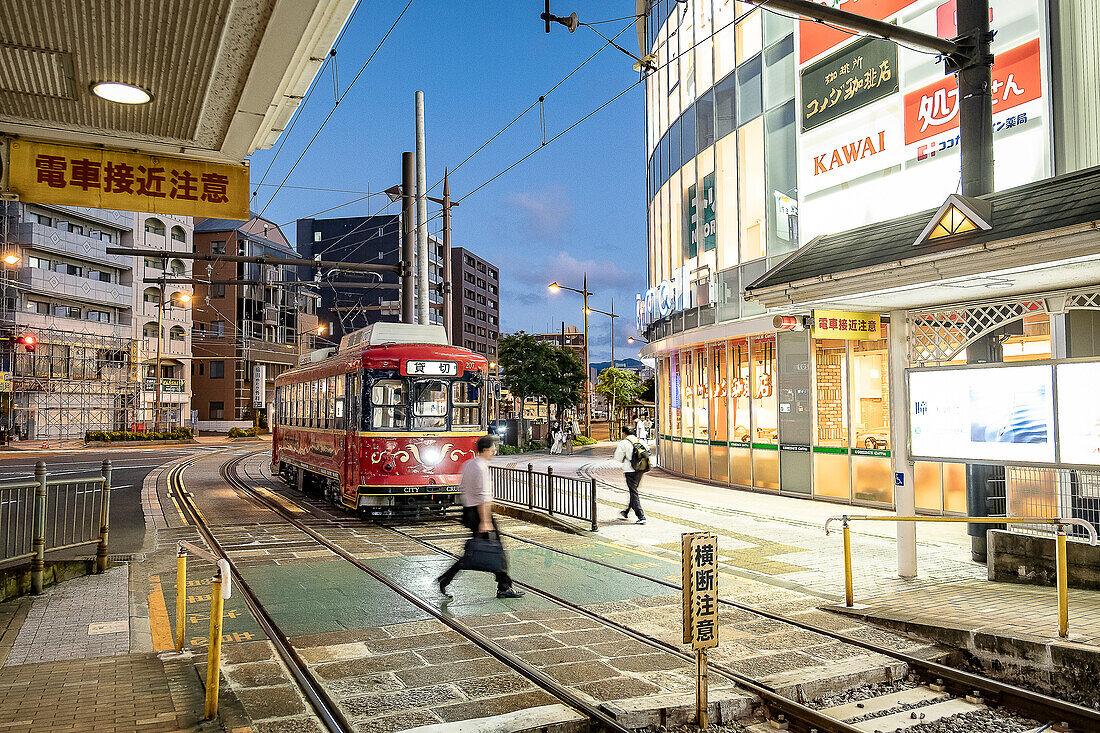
{"x": 632, "y": 455}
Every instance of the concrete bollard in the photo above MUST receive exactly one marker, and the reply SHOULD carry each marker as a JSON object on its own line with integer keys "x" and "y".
{"x": 104, "y": 518}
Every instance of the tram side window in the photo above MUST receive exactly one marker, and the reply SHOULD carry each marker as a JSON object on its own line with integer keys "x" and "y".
{"x": 387, "y": 397}
{"x": 339, "y": 402}
{"x": 314, "y": 401}
{"x": 465, "y": 406}
{"x": 429, "y": 405}
{"x": 330, "y": 404}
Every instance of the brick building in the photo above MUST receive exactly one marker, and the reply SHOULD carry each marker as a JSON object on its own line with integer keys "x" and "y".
{"x": 245, "y": 334}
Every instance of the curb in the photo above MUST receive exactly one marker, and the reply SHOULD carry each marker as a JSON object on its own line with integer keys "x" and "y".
{"x": 543, "y": 520}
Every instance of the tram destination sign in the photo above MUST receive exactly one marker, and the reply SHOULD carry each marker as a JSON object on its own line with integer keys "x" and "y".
{"x": 414, "y": 368}
{"x": 860, "y": 73}
{"x": 700, "y": 589}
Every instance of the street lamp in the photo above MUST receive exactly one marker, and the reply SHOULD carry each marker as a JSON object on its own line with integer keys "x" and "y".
{"x": 632, "y": 339}
{"x": 11, "y": 259}
{"x": 319, "y": 329}
{"x": 612, "y": 315}
{"x": 555, "y": 287}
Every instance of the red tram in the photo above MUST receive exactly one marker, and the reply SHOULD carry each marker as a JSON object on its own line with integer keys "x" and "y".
{"x": 385, "y": 423}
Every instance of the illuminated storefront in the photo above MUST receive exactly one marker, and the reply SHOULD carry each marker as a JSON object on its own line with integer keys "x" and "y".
{"x": 763, "y": 133}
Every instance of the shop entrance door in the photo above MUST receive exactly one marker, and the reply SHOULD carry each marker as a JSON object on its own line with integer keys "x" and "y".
{"x": 794, "y": 412}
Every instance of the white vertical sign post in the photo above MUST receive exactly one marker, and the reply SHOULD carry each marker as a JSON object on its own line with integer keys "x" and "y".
{"x": 700, "y": 598}
{"x": 259, "y": 385}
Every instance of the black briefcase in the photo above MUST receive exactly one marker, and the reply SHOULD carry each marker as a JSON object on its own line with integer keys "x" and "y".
{"x": 484, "y": 553}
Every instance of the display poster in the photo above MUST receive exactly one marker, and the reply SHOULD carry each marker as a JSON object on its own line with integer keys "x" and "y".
{"x": 983, "y": 414}
{"x": 1078, "y": 413}
{"x": 867, "y": 155}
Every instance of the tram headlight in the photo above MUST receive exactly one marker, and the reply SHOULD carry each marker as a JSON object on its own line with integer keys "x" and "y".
{"x": 431, "y": 456}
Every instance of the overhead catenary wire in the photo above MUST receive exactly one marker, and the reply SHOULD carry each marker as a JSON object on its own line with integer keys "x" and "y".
{"x": 336, "y": 106}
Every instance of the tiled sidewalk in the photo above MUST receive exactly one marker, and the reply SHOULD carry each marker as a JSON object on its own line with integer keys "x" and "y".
{"x": 80, "y": 619}
{"x": 780, "y": 540}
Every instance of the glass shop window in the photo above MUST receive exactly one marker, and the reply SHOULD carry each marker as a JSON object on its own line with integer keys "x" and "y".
{"x": 869, "y": 407}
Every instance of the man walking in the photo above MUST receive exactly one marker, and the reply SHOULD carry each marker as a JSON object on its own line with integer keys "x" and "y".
{"x": 476, "y": 486}
{"x": 624, "y": 456}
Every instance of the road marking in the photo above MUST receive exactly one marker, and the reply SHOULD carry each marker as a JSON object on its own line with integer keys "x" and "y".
{"x": 158, "y": 618}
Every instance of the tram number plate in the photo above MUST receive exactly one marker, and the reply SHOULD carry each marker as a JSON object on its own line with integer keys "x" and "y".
{"x": 432, "y": 368}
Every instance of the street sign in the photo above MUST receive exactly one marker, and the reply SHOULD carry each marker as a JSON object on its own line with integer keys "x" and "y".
{"x": 5, "y": 381}
{"x": 700, "y": 593}
{"x": 259, "y": 385}
{"x": 700, "y": 598}
{"x": 431, "y": 368}
{"x": 75, "y": 175}
{"x": 167, "y": 385}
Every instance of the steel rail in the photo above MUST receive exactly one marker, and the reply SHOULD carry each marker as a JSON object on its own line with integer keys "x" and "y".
{"x": 537, "y": 676}
{"x": 813, "y": 719}
{"x": 1021, "y": 700}
{"x": 325, "y": 707}
{"x": 1017, "y": 698}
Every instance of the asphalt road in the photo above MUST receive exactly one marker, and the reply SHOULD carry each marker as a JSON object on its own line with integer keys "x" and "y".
{"x": 129, "y": 469}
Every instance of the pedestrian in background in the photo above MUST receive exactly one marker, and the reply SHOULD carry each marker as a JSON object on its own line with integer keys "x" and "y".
{"x": 476, "y": 486}
{"x": 640, "y": 429}
{"x": 633, "y": 457}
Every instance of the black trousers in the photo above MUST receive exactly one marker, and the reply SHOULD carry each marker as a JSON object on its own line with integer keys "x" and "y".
{"x": 471, "y": 520}
{"x": 633, "y": 480}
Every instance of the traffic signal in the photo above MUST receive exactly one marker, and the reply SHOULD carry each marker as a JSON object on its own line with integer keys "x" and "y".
{"x": 28, "y": 341}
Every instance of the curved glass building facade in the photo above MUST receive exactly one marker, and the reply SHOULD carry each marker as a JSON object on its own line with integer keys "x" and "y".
{"x": 735, "y": 125}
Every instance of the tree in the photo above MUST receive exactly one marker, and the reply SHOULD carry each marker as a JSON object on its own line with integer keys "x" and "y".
{"x": 522, "y": 372}
{"x": 619, "y": 386}
{"x": 649, "y": 390}
{"x": 532, "y": 368}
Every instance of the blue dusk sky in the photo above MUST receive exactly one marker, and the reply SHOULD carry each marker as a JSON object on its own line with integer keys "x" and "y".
{"x": 577, "y": 205}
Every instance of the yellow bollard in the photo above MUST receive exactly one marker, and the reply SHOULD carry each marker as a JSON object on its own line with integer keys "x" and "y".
{"x": 1063, "y": 584}
{"x": 849, "y": 595}
{"x": 181, "y": 598}
{"x": 214, "y": 650}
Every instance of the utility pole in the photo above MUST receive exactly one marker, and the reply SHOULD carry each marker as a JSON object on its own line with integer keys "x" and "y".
{"x": 587, "y": 390}
{"x": 447, "y": 315}
{"x": 408, "y": 243}
{"x": 975, "y": 98}
{"x": 423, "y": 306}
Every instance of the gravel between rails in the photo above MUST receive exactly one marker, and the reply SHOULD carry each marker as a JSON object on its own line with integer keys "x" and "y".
{"x": 993, "y": 720}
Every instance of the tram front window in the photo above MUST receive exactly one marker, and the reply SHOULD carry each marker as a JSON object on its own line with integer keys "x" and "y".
{"x": 465, "y": 406}
{"x": 429, "y": 405}
{"x": 387, "y": 398}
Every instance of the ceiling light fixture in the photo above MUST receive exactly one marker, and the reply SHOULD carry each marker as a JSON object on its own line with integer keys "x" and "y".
{"x": 114, "y": 91}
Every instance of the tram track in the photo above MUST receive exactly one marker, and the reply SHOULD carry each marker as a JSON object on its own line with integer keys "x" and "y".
{"x": 942, "y": 683}
{"x": 328, "y": 712}
{"x": 804, "y": 718}
{"x": 598, "y": 717}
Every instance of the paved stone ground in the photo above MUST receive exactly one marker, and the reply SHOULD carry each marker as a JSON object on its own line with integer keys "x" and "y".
{"x": 779, "y": 541}
{"x": 77, "y": 658}
{"x": 81, "y": 619}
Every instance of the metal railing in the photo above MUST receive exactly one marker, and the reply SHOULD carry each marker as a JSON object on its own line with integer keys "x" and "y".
{"x": 567, "y": 496}
{"x": 1051, "y": 492}
{"x": 44, "y": 515}
{"x": 1059, "y": 524}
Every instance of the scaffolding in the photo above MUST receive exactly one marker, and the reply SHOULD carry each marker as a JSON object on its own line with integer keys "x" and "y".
{"x": 70, "y": 384}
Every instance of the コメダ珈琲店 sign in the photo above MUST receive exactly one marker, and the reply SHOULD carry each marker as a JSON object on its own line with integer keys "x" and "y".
{"x": 72, "y": 175}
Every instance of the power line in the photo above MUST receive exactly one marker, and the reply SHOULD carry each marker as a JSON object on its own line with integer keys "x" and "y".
{"x": 552, "y": 139}
{"x": 336, "y": 106}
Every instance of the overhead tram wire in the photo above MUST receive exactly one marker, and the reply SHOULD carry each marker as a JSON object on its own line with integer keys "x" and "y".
{"x": 336, "y": 106}
{"x": 499, "y": 132}
{"x": 541, "y": 98}
{"x": 552, "y": 139}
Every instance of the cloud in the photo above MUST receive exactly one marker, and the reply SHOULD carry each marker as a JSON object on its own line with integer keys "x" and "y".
{"x": 542, "y": 214}
{"x": 569, "y": 270}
